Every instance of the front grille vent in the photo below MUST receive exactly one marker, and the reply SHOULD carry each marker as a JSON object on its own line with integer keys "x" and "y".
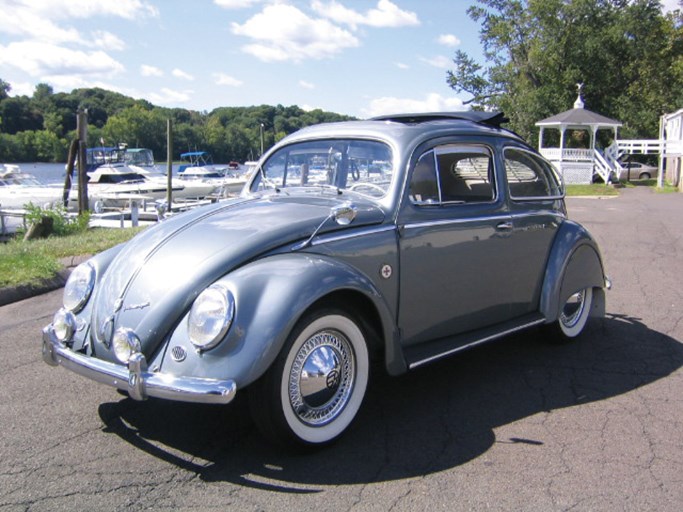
{"x": 178, "y": 354}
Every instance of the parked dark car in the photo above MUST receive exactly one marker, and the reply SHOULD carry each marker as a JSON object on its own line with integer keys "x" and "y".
{"x": 408, "y": 238}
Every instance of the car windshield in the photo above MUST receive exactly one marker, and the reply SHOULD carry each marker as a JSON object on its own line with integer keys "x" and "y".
{"x": 361, "y": 166}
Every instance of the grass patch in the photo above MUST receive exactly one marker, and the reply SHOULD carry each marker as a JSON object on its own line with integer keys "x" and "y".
{"x": 594, "y": 189}
{"x": 652, "y": 183}
{"x": 30, "y": 262}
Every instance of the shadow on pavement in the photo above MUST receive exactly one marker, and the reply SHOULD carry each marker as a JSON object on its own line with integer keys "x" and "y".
{"x": 427, "y": 421}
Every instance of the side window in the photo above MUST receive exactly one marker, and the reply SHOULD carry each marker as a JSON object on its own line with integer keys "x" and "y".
{"x": 423, "y": 186}
{"x": 453, "y": 174}
{"x": 529, "y": 176}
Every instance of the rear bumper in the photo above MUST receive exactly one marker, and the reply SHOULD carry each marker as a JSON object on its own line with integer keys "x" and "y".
{"x": 134, "y": 378}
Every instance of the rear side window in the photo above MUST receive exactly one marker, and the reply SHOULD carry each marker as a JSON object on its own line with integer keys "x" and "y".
{"x": 529, "y": 176}
{"x": 453, "y": 174}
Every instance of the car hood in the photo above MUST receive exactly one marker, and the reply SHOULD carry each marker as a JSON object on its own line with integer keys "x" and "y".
{"x": 156, "y": 276}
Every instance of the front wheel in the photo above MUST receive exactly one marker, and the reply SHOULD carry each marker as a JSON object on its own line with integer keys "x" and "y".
{"x": 573, "y": 316}
{"x": 316, "y": 385}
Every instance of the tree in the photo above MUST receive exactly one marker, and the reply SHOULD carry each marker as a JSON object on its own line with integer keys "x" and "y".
{"x": 626, "y": 52}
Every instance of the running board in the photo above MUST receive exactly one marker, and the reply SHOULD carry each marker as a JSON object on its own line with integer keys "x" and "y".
{"x": 425, "y": 353}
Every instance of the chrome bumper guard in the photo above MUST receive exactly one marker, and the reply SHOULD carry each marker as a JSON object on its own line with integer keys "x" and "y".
{"x": 135, "y": 379}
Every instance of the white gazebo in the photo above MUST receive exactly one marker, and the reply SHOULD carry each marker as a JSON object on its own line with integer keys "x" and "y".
{"x": 579, "y": 165}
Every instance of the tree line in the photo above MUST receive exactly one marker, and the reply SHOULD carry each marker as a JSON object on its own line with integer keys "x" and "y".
{"x": 40, "y": 128}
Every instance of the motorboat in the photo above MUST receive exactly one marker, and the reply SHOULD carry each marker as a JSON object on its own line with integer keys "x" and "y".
{"x": 141, "y": 160}
{"x": 18, "y": 188}
{"x": 198, "y": 165}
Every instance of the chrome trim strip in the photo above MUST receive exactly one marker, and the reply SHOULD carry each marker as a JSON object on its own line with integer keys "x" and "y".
{"x": 466, "y": 220}
{"x": 136, "y": 380}
{"x": 324, "y": 239}
{"x": 475, "y": 343}
{"x": 484, "y": 218}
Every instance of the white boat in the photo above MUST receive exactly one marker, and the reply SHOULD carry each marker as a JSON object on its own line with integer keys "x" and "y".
{"x": 198, "y": 166}
{"x": 142, "y": 160}
{"x": 18, "y": 188}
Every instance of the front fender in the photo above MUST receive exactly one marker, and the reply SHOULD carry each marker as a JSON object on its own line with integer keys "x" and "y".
{"x": 271, "y": 295}
{"x": 574, "y": 264}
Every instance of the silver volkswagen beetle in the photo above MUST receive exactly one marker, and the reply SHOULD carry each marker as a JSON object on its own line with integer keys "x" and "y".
{"x": 407, "y": 238}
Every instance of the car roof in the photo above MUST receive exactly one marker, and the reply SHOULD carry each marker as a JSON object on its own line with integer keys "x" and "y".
{"x": 410, "y": 128}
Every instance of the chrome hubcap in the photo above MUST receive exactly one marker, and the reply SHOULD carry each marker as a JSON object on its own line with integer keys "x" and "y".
{"x": 571, "y": 312}
{"x": 322, "y": 378}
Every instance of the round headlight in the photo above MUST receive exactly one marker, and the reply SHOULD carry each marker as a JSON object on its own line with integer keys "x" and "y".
{"x": 64, "y": 325}
{"x": 124, "y": 344}
{"x": 211, "y": 316}
{"x": 79, "y": 287}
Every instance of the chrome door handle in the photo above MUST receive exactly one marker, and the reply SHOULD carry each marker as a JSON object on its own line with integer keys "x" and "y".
{"x": 504, "y": 226}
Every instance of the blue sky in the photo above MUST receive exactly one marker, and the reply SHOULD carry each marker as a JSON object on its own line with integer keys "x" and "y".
{"x": 353, "y": 57}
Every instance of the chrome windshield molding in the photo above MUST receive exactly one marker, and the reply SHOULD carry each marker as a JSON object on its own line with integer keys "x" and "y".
{"x": 431, "y": 359}
{"x": 466, "y": 220}
{"x": 325, "y": 239}
{"x": 135, "y": 379}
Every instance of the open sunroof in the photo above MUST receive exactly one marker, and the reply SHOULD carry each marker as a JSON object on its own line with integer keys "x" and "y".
{"x": 489, "y": 118}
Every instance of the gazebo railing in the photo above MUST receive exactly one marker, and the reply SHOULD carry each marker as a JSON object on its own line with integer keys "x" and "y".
{"x": 571, "y": 154}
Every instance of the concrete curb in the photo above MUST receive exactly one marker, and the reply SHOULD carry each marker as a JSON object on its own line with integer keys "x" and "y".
{"x": 16, "y": 293}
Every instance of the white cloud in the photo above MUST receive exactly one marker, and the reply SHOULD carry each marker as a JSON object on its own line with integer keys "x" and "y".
{"x": 387, "y": 14}
{"x": 306, "y": 85}
{"x": 401, "y": 65}
{"x": 449, "y": 40}
{"x": 107, "y": 41}
{"x": 168, "y": 96}
{"x": 235, "y": 4}
{"x": 433, "y": 102}
{"x": 223, "y": 79}
{"x": 179, "y": 73}
{"x": 282, "y": 32}
{"x": 670, "y": 5}
{"x": 38, "y": 19}
{"x": 146, "y": 70}
{"x": 37, "y": 59}
{"x": 438, "y": 62}
{"x": 22, "y": 89}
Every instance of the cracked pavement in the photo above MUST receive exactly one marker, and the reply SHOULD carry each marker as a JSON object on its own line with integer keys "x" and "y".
{"x": 514, "y": 425}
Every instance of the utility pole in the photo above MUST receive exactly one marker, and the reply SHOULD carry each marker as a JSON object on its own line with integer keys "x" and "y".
{"x": 169, "y": 163}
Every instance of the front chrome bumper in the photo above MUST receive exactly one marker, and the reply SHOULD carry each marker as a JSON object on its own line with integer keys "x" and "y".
{"x": 135, "y": 379}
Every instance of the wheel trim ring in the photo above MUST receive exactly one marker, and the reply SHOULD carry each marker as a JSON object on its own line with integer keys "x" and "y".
{"x": 571, "y": 320}
{"x": 330, "y": 410}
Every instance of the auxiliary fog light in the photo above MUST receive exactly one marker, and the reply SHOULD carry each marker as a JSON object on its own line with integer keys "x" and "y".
{"x": 64, "y": 325}
{"x": 124, "y": 344}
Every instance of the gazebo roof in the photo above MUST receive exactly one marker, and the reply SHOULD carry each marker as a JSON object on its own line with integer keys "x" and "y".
{"x": 579, "y": 117}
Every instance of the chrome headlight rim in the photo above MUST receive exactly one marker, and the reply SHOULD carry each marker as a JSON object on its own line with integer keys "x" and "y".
{"x": 221, "y": 303}
{"x": 79, "y": 287}
{"x": 124, "y": 344}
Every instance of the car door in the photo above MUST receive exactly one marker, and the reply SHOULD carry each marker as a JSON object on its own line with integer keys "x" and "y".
{"x": 454, "y": 227}
{"x": 535, "y": 202}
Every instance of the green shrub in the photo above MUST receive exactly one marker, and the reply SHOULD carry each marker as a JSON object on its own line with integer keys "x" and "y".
{"x": 63, "y": 224}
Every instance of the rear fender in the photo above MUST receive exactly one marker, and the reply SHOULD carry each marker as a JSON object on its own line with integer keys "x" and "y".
{"x": 574, "y": 264}
{"x": 271, "y": 295}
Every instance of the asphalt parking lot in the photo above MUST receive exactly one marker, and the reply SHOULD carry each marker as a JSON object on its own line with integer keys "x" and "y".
{"x": 516, "y": 425}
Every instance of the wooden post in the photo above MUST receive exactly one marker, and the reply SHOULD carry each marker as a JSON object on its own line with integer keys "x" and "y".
{"x": 68, "y": 178}
{"x": 82, "y": 129}
{"x": 169, "y": 163}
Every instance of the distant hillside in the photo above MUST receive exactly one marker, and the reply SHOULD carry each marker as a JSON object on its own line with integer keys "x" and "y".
{"x": 41, "y": 127}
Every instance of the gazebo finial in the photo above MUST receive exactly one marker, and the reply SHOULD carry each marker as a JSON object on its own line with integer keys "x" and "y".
{"x": 579, "y": 101}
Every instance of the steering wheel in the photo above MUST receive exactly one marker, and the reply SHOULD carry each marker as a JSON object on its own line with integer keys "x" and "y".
{"x": 369, "y": 185}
